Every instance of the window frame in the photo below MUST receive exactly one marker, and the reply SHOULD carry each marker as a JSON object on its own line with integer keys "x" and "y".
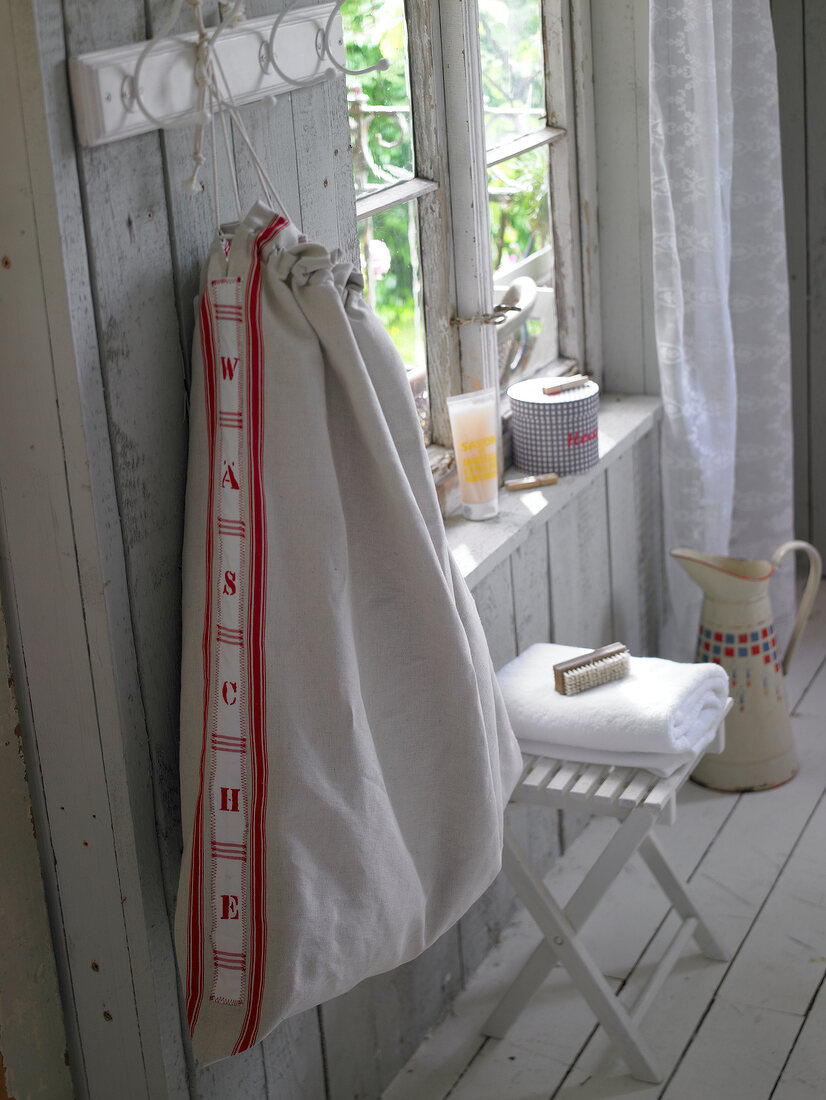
{"x": 450, "y": 189}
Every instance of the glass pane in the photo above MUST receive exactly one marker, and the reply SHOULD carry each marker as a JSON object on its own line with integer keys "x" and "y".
{"x": 520, "y": 214}
{"x": 389, "y": 244}
{"x": 510, "y": 32}
{"x": 379, "y": 102}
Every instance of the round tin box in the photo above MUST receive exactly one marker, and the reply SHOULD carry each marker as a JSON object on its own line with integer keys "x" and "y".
{"x": 554, "y": 432}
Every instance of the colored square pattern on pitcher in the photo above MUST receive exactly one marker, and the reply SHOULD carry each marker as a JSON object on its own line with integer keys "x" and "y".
{"x": 759, "y": 645}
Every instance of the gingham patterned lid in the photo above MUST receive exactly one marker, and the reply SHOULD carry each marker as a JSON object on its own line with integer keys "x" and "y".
{"x": 554, "y": 432}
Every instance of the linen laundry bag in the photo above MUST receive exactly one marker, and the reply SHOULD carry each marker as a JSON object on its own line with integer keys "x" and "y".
{"x": 345, "y": 752}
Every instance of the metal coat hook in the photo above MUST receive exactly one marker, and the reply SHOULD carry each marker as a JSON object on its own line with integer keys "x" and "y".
{"x": 182, "y": 79}
{"x": 132, "y": 90}
{"x": 323, "y": 49}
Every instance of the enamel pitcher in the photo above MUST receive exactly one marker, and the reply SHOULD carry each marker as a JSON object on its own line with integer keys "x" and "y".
{"x": 737, "y": 632}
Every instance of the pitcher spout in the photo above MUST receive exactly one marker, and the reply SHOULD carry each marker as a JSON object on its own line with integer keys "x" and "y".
{"x": 723, "y": 578}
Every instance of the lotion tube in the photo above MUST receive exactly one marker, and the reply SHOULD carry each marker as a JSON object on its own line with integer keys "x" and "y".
{"x": 473, "y": 425}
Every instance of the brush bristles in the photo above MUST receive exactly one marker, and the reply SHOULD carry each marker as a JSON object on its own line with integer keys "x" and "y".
{"x": 594, "y": 673}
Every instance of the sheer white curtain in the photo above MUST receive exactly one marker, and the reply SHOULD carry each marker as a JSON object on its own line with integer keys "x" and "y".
{"x": 721, "y": 293}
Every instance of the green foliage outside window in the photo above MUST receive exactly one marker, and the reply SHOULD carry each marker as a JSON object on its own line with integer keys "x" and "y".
{"x": 383, "y": 154}
{"x": 383, "y": 150}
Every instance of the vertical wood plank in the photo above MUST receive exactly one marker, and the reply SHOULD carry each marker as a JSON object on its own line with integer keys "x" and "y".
{"x": 650, "y": 549}
{"x": 52, "y": 668}
{"x": 99, "y": 754}
{"x": 341, "y": 177}
{"x": 241, "y": 1075}
{"x": 128, "y": 233}
{"x": 531, "y": 590}
{"x": 351, "y": 1044}
{"x": 580, "y": 576}
{"x": 479, "y": 928}
{"x": 583, "y": 83}
{"x": 815, "y": 64}
{"x": 541, "y": 836}
{"x": 372, "y": 1031}
{"x": 635, "y": 535}
{"x": 581, "y": 590}
{"x": 791, "y": 80}
{"x": 650, "y": 359}
{"x": 31, "y": 1017}
{"x": 315, "y": 160}
{"x": 624, "y": 540}
{"x": 535, "y": 827}
{"x": 412, "y": 998}
{"x": 482, "y": 923}
{"x": 621, "y": 109}
{"x": 494, "y": 602}
{"x": 560, "y": 103}
{"x": 293, "y": 1059}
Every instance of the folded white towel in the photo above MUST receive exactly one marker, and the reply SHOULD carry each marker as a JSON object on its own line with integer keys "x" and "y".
{"x": 658, "y": 716}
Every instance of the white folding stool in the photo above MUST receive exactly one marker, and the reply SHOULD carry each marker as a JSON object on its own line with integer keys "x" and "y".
{"x": 638, "y": 800}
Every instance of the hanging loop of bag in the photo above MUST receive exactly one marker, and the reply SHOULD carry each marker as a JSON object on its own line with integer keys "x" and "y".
{"x": 214, "y": 97}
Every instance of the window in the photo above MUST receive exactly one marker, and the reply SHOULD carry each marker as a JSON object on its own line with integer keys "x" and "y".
{"x": 470, "y": 182}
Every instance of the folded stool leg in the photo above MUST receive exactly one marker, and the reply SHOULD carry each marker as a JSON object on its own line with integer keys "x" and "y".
{"x": 584, "y": 900}
{"x": 677, "y": 892}
{"x": 564, "y": 944}
{"x": 520, "y": 991}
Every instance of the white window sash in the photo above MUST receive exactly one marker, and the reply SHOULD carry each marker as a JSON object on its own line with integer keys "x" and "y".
{"x": 470, "y": 216}
{"x": 452, "y": 191}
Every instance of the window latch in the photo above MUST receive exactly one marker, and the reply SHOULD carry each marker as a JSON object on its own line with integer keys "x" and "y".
{"x": 496, "y": 317}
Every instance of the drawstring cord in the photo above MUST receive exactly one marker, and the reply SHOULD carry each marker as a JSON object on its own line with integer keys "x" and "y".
{"x": 208, "y": 69}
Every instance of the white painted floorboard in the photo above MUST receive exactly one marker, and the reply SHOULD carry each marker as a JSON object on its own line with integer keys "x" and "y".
{"x": 749, "y": 1029}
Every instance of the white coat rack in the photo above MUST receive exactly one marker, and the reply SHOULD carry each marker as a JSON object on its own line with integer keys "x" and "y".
{"x": 102, "y": 82}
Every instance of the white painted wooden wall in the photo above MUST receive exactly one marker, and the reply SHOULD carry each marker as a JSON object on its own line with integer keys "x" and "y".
{"x": 620, "y": 60}
{"x": 800, "y": 35}
{"x": 32, "y": 1036}
{"x": 105, "y": 250}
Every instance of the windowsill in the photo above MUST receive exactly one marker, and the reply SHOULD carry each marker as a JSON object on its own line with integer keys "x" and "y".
{"x": 479, "y": 547}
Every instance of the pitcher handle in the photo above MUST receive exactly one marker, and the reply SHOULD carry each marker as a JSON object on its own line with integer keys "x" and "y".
{"x": 809, "y": 593}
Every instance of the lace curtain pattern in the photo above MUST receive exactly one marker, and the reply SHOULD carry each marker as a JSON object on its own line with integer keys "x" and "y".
{"x": 721, "y": 294}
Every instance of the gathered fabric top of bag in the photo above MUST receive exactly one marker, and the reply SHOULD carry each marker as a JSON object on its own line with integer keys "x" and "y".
{"x": 345, "y": 752}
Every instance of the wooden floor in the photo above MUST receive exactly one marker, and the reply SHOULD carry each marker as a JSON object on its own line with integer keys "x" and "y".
{"x": 750, "y": 1029}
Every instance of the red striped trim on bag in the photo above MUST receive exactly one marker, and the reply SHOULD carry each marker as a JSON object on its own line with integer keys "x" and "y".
{"x": 195, "y": 910}
{"x": 229, "y": 744}
{"x": 229, "y": 960}
{"x": 257, "y": 673}
{"x": 231, "y": 527}
{"x": 223, "y": 850}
